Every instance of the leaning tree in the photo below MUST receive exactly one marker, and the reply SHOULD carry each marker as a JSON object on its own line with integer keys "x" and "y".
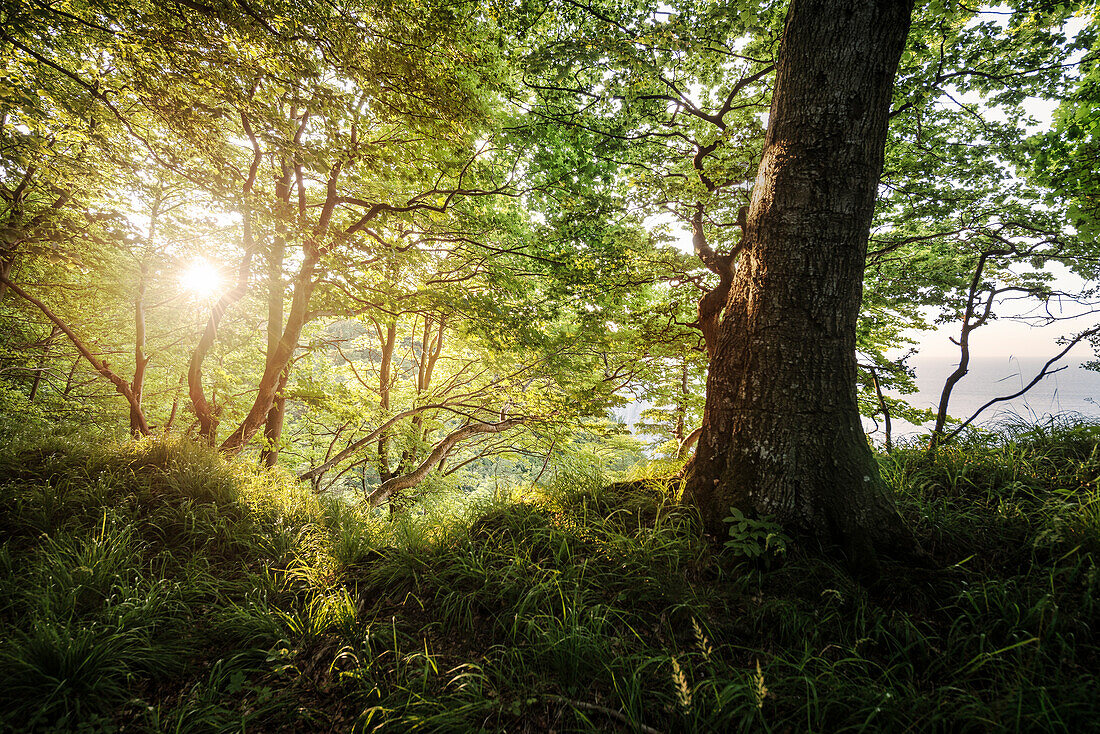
{"x": 781, "y": 430}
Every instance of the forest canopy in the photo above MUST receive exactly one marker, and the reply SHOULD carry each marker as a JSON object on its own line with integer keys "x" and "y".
{"x": 388, "y": 244}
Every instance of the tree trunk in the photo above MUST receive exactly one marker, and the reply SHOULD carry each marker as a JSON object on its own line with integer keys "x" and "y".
{"x": 101, "y": 366}
{"x": 7, "y": 260}
{"x": 385, "y": 382}
{"x": 303, "y": 285}
{"x": 781, "y": 431}
{"x": 279, "y": 360}
{"x": 276, "y": 291}
{"x": 971, "y": 320}
{"x": 273, "y": 426}
{"x": 141, "y": 359}
{"x": 42, "y": 362}
{"x": 888, "y": 428}
{"x": 205, "y": 411}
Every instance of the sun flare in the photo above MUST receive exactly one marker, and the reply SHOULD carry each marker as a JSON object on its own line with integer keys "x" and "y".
{"x": 201, "y": 278}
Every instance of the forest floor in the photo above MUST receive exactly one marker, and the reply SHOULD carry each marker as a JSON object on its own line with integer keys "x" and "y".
{"x": 154, "y": 587}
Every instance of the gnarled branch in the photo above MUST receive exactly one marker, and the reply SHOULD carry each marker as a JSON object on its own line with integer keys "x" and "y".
{"x": 392, "y": 486}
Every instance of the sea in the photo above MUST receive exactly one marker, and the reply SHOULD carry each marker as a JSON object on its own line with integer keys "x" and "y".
{"x": 1072, "y": 393}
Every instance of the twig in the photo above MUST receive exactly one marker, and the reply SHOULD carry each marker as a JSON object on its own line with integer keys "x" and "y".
{"x": 617, "y": 715}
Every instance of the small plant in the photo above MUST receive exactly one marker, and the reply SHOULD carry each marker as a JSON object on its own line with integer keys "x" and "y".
{"x": 760, "y": 691}
{"x": 683, "y": 690}
{"x": 753, "y": 538}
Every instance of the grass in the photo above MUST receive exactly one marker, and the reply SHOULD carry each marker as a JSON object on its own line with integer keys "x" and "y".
{"x": 153, "y": 587}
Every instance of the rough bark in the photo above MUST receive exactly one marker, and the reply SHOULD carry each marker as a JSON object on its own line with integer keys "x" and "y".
{"x": 781, "y": 431}
{"x": 711, "y": 305}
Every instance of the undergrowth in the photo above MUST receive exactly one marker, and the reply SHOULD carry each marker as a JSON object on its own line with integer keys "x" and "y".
{"x": 154, "y": 587}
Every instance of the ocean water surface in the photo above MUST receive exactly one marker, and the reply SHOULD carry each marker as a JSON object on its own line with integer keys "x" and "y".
{"x": 1073, "y": 391}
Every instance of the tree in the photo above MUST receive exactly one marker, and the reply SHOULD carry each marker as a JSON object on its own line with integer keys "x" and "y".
{"x": 983, "y": 238}
{"x": 781, "y": 431}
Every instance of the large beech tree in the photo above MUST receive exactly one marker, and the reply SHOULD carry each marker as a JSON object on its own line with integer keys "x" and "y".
{"x": 781, "y": 430}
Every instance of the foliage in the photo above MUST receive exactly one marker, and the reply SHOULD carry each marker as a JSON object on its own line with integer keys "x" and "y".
{"x": 754, "y": 537}
{"x": 524, "y": 182}
{"x": 1065, "y": 156}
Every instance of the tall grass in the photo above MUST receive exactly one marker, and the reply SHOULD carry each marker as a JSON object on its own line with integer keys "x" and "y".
{"x": 154, "y": 587}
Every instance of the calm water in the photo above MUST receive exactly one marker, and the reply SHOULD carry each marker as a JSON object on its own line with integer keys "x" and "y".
{"x": 1073, "y": 390}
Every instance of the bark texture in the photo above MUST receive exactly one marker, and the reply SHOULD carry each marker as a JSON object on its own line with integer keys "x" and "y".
{"x": 781, "y": 431}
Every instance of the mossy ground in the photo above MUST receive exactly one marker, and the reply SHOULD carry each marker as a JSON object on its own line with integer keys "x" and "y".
{"x": 154, "y": 587}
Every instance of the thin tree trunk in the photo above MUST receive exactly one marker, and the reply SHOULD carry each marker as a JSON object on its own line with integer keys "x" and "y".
{"x": 781, "y": 432}
{"x": 42, "y": 361}
{"x": 175, "y": 404}
{"x": 681, "y": 406}
{"x": 689, "y": 441}
{"x": 885, "y": 408}
{"x": 276, "y": 292}
{"x": 971, "y": 321}
{"x": 296, "y": 319}
{"x": 431, "y": 348}
{"x": 7, "y": 260}
{"x": 279, "y": 360}
{"x": 1039, "y": 376}
{"x": 101, "y": 366}
{"x": 273, "y": 425}
{"x": 141, "y": 360}
{"x": 385, "y": 385}
{"x": 69, "y": 379}
{"x": 204, "y": 411}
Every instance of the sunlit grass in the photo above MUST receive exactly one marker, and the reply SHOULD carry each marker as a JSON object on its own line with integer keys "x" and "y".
{"x": 155, "y": 586}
